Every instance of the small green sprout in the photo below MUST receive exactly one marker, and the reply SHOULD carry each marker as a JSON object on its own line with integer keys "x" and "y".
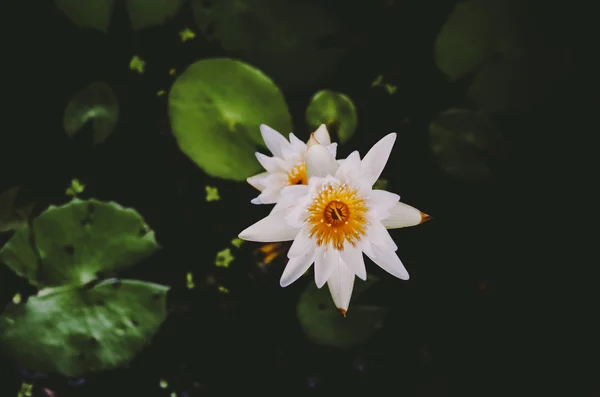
{"x": 17, "y": 298}
{"x": 377, "y": 81}
{"x": 187, "y": 34}
{"x": 212, "y": 194}
{"x": 223, "y": 289}
{"x": 224, "y": 258}
{"x": 237, "y": 242}
{"x": 391, "y": 89}
{"x": 163, "y": 384}
{"x": 26, "y": 390}
{"x": 161, "y": 93}
{"x": 189, "y": 277}
{"x": 137, "y": 64}
{"x": 75, "y": 188}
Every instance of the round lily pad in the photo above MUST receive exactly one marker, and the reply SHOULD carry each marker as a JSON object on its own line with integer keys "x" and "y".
{"x": 465, "y": 143}
{"x": 95, "y": 14}
{"x": 335, "y": 110}
{"x": 77, "y": 241}
{"x": 75, "y": 330}
{"x": 96, "y": 103}
{"x": 216, "y": 107}
{"x": 323, "y": 324}
{"x": 273, "y": 36}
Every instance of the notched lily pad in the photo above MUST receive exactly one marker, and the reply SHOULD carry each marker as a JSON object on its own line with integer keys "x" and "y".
{"x": 76, "y": 330}
{"x": 96, "y": 103}
{"x": 216, "y": 107}
{"x": 323, "y": 323}
{"x": 78, "y": 240}
{"x": 335, "y": 110}
{"x": 466, "y": 143}
{"x": 95, "y": 14}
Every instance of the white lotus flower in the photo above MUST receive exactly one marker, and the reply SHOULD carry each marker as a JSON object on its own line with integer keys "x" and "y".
{"x": 337, "y": 217}
{"x": 287, "y": 166}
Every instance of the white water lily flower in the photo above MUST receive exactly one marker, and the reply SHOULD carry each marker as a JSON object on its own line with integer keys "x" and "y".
{"x": 337, "y": 217}
{"x": 287, "y": 166}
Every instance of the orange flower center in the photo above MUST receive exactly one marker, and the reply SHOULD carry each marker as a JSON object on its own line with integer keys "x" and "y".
{"x": 297, "y": 175}
{"x": 337, "y": 215}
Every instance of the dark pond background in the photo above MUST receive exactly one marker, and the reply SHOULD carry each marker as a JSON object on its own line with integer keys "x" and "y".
{"x": 483, "y": 313}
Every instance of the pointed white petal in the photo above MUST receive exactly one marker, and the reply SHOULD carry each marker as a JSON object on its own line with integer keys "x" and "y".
{"x": 296, "y": 267}
{"x": 375, "y": 161}
{"x": 389, "y": 261}
{"x": 403, "y": 215}
{"x": 350, "y": 168}
{"x": 322, "y": 135}
{"x": 257, "y": 181}
{"x": 379, "y": 237}
{"x": 293, "y": 192}
{"x": 319, "y": 162}
{"x": 341, "y": 283}
{"x": 270, "y": 229}
{"x": 302, "y": 244}
{"x": 297, "y": 144}
{"x": 325, "y": 262}
{"x": 332, "y": 149}
{"x": 273, "y": 139}
{"x": 353, "y": 258}
{"x": 268, "y": 163}
{"x": 381, "y": 202}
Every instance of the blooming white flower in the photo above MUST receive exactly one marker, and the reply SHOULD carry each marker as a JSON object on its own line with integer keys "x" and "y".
{"x": 287, "y": 166}
{"x": 337, "y": 217}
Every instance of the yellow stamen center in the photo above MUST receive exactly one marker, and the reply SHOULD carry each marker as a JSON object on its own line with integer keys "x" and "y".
{"x": 297, "y": 175}
{"x": 337, "y": 215}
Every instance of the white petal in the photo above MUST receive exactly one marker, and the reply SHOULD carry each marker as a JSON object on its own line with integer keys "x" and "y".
{"x": 270, "y": 164}
{"x": 319, "y": 162}
{"x": 353, "y": 258}
{"x": 302, "y": 244}
{"x": 389, "y": 261}
{"x": 322, "y": 135}
{"x": 293, "y": 192}
{"x": 379, "y": 237}
{"x": 375, "y": 161}
{"x": 332, "y": 149}
{"x": 350, "y": 168}
{"x": 403, "y": 215}
{"x": 325, "y": 262}
{"x": 296, "y": 267}
{"x": 341, "y": 283}
{"x": 297, "y": 144}
{"x": 257, "y": 181}
{"x": 381, "y": 202}
{"x": 273, "y": 139}
{"x": 270, "y": 229}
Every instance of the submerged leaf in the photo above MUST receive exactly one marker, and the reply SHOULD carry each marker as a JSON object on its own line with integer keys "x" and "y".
{"x": 297, "y": 42}
{"x": 465, "y": 144}
{"x": 216, "y": 107}
{"x": 335, "y": 110}
{"x": 11, "y": 216}
{"x": 76, "y": 330}
{"x": 95, "y": 14}
{"x": 97, "y": 103}
{"x": 78, "y": 240}
{"x": 323, "y": 323}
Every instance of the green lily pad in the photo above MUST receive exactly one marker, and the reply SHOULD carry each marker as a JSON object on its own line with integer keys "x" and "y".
{"x": 323, "y": 323}
{"x": 77, "y": 241}
{"x": 13, "y": 217}
{"x": 96, "y": 103}
{"x": 77, "y": 330}
{"x": 95, "y": 14}
{"x": 336, "y": 111}
{"x": 216, "y": 107}
{"x": 465, "y": 143}
{"x": 273, "y": 36}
